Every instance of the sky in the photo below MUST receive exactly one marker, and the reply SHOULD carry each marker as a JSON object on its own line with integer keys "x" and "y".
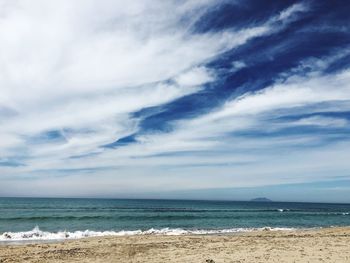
{"x": 199, "y": 99}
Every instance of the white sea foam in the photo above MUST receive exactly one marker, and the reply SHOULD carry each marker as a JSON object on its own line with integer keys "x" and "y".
{"x": 283, "y": 210}
{"x": 37, "y": 234}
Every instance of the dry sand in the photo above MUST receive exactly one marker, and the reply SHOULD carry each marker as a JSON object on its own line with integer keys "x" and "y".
{"x": 325, "y": 245}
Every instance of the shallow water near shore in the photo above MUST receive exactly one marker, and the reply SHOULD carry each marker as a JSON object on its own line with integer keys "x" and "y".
{"x": 55, "y": 218}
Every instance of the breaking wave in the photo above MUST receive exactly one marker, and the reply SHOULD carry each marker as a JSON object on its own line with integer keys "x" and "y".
{"x": 37, "y": 234}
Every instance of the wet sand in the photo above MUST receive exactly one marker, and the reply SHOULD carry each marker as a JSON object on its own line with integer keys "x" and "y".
{"x": 323, "y": 245}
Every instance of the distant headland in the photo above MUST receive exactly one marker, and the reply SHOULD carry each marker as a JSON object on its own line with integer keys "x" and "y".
{"x": 261, "y": 199}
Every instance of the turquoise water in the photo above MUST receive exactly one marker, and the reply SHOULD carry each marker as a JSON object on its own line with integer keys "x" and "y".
{"x": 54, "y": 215}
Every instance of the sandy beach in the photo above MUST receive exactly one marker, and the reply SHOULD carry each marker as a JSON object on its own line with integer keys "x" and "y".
{"x": 322, "y": 245}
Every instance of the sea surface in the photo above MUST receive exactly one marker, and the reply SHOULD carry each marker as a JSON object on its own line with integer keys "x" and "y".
{"x": 60, "y": 218}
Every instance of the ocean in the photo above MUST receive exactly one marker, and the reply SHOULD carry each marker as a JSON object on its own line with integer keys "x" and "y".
{"x": 63, "y": 218}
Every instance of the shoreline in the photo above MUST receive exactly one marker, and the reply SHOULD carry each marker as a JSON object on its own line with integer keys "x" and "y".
{"x": 37, "y": 235}
{"x": 310, "y": 245}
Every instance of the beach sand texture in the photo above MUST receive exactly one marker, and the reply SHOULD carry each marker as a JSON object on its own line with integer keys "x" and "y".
{"x": 323, "y": 245}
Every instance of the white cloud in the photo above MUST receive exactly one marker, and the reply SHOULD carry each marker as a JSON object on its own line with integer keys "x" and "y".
{"x": 252, "y": 161}
{"x": 322, "y": 121}
{"x": 291, "y": 11}
{"x": 84, "y": 67}
{"x": 236, "y": 65}
{"x": 194, "y": 77}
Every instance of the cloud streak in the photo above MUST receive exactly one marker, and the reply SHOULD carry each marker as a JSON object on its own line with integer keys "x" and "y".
{"x": 80, "y": 80}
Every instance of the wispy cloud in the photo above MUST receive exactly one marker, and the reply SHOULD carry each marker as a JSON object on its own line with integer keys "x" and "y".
{"x": 75, "y": 77}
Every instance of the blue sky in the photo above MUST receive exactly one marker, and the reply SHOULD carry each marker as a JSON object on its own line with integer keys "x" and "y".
{"x": 175, "y": 99}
